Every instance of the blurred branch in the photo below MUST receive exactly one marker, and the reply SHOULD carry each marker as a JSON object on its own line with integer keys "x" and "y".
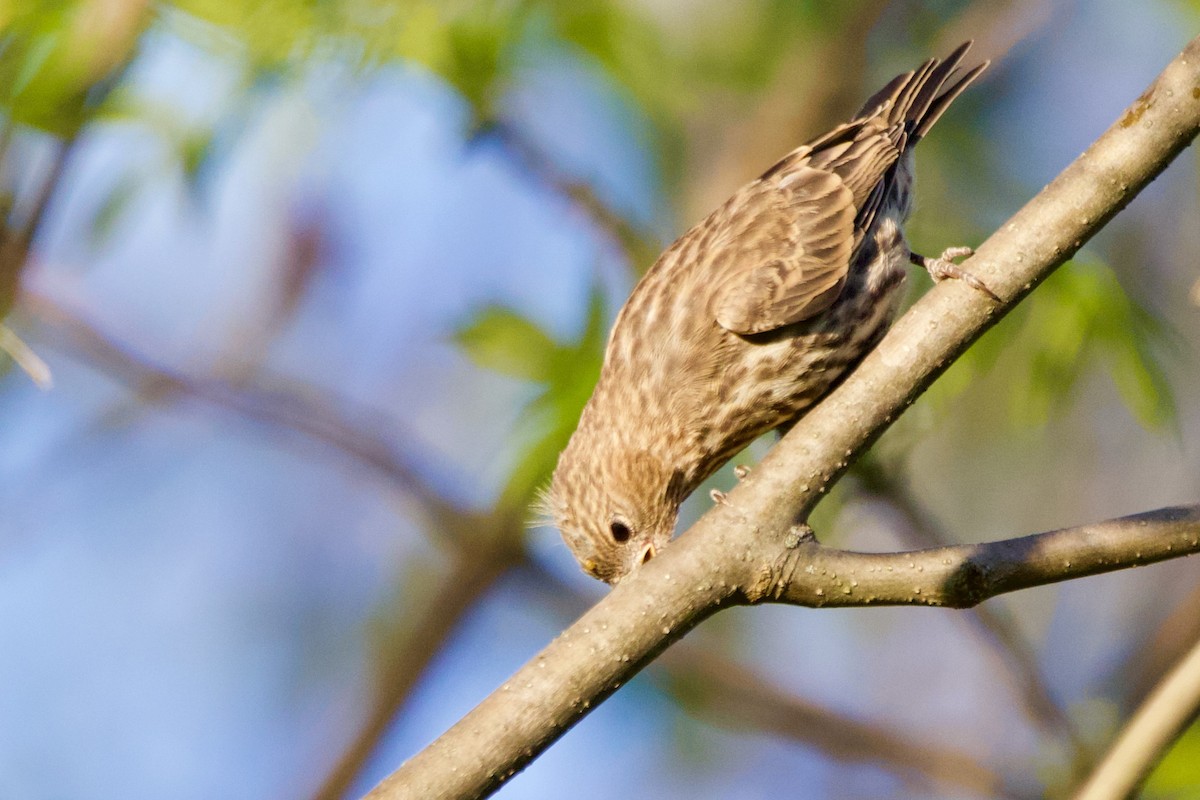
{"x": 527, "y": 157}
{"x": 733, "y": 696}
{"x": 1164, "y": 716}
{"x": 16, "y": 239}
{"x": 292, "y": 276}
{"x": 299, "y": 410}
{"x": 407, "y": 654}
{"x": 1149, "y": 659}
{"x": 102, "y": 41}
{"x": 748, "y": 549}
{"x": 485, "y": 545}
{"x": 22, "y": 237}
{"x": 993, "y": 622}
{"x": 29, "y": 361}
{"x": 14, "y": 256}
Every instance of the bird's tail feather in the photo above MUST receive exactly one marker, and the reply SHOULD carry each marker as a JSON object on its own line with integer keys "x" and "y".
{"x": 918, "y": 99}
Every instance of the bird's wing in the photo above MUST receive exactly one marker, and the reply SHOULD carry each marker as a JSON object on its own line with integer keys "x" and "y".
{"x": 784, "y": 252}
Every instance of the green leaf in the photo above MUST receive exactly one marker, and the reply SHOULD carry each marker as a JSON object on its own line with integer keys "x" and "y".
{"x": 550, "y": 418}
{"x": 1177, "y": 776}
{"x": 59, "y": 59}
{"x": 470, "y": 46}
{"x": 502, "y": 340}
{"x": 194, "y": 150}
{"x": 476, "y": 48}
{"x": 37, "y": 54}
{"x": 1130, "y": 341}
{"x": 1079, "y": 319}
{"x": 113, "y": 208}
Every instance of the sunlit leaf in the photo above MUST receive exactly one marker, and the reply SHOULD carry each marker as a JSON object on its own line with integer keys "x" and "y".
{"x": 193, "y": 150}
{"x": 502, "y": 340}
{"x": 1132, "y": 349}
{"x": 1177, "y": 776}
{"x": 1079, "y": 319}
{"x": 476, "y": 48}
{"x": 420, "y": 37}
{"x": 58, "y": 60}
{"x": 37, "y": 54}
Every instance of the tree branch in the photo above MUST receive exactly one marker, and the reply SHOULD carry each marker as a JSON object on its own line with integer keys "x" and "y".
{"x": 961, "y": 576}
{"x": 728, "y": 694}
{"x": 739, "y": 552}
{"x": 1165, "y": 715}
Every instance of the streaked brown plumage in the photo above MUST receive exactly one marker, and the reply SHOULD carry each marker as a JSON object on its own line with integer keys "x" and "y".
{"x": 746, "y": 321}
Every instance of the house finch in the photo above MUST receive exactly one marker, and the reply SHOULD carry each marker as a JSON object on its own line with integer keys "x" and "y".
{"x": 748, "y": 320}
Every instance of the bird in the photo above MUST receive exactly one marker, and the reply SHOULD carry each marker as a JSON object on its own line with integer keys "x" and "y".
{"x": 747, "y": 320}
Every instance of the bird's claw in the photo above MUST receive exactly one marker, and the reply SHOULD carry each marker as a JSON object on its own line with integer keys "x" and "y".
{"x": 719, "y": 497}
{"x": 944, "y": 267}
{"x": 741, "y": 471}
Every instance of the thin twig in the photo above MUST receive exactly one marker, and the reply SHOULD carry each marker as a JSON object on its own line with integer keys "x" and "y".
{"x": 1164, "y": 716}
{"x": 24, "y": 357}
{"x": 1157, "y": 650}
{"x": 962, "y": 576}
{"x": 485, "y": 545}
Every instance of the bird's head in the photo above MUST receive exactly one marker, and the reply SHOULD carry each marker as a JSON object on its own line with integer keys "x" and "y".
{"x": 615, "y": 511}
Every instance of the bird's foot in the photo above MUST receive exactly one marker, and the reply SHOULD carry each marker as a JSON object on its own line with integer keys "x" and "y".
{"x": 741, "y": 471}
{"x": 719, "y": 497}
{"x": 944, "y": 267}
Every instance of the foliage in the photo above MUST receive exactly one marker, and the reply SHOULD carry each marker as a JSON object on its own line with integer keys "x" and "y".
{"x": 57, "y": 60}
{"x": 1177, "y": 776}
{"x": 1042, "y": 352}
{"x": 502, "y": 340}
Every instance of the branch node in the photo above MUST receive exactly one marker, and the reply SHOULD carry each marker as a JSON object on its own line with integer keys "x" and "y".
{"x": 775, "y": 578}
{"x": 800, "y": 532}
{"x": 969, "y": 586}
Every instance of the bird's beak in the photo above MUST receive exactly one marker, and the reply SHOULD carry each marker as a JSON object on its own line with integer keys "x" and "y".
{"x": 647, "y": 553}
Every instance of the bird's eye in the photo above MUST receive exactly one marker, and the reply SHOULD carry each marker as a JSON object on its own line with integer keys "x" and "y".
{"x": 620, "y": 531}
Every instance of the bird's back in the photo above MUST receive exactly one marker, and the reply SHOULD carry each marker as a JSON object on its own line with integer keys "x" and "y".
{"x": 702, "y": 391}
{"x": 749, "y": 318}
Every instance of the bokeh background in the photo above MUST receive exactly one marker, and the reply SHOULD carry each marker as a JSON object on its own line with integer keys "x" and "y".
{"x": 322, "y": 287}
